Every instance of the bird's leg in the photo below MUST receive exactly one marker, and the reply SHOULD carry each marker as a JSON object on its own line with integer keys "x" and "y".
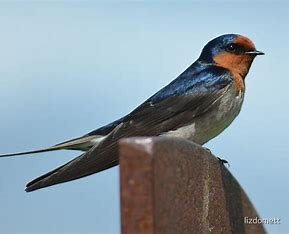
{"x": 223, "y": 161}
{"x": 207, "y": 149}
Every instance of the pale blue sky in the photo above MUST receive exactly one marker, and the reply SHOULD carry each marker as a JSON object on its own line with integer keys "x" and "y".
{"x": 66, "y": 69}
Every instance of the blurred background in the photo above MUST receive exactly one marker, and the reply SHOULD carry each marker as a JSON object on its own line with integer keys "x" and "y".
{"x": 67, "y": 68}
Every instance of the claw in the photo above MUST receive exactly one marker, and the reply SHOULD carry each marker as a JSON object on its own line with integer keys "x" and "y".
{"x": 223, "y": 161}
{"x": 207, "y": 149}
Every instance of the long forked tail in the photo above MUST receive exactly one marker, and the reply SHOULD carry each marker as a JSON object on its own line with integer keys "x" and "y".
{"x": 88, "y": 163}
{"x": 82, "y": 143}
{"x": 101, "y": 156}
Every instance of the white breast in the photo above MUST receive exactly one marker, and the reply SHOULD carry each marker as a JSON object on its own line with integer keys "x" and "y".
{"x": 213, "y": 122}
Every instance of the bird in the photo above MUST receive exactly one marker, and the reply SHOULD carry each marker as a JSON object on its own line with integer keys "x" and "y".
{"x": 198, "y": 105}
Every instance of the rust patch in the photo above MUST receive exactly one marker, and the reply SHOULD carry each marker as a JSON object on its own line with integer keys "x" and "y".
{"x": 178, "y": 187}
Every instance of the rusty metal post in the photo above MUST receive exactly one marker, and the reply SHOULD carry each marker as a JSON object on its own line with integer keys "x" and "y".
{"x": 172, "y": 186}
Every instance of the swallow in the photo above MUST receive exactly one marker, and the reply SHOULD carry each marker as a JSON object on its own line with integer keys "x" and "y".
{"x": 198, "y": 105}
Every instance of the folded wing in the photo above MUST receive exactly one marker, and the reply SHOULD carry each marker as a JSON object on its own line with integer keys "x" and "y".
{"x": 169, "y": 109}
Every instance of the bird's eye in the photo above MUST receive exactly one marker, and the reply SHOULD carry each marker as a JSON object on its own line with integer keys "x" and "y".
{"x": 231, "y": 48}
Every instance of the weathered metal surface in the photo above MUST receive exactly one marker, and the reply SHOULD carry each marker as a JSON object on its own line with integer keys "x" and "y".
{"x": 171, "y": 186}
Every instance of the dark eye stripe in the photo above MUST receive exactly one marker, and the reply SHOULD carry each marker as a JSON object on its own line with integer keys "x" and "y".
{"x": 235, "y": 48}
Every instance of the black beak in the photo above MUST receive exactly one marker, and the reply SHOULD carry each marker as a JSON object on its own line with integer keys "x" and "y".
{"x": 254, "y": 52}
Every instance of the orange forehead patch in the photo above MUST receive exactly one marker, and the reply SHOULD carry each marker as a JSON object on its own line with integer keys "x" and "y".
{"x": 245, "y": 42}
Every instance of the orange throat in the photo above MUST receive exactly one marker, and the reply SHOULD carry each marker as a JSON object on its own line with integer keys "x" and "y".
{"x": 235, "y": 63}
{"x": 238, "y": 65}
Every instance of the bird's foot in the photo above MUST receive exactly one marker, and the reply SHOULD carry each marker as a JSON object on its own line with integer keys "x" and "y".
{"x": 207, "y": 149}
{"x": 223, "y": 161}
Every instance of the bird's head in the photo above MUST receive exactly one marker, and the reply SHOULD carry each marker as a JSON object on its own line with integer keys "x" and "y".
{"x": 231, "y": 51}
